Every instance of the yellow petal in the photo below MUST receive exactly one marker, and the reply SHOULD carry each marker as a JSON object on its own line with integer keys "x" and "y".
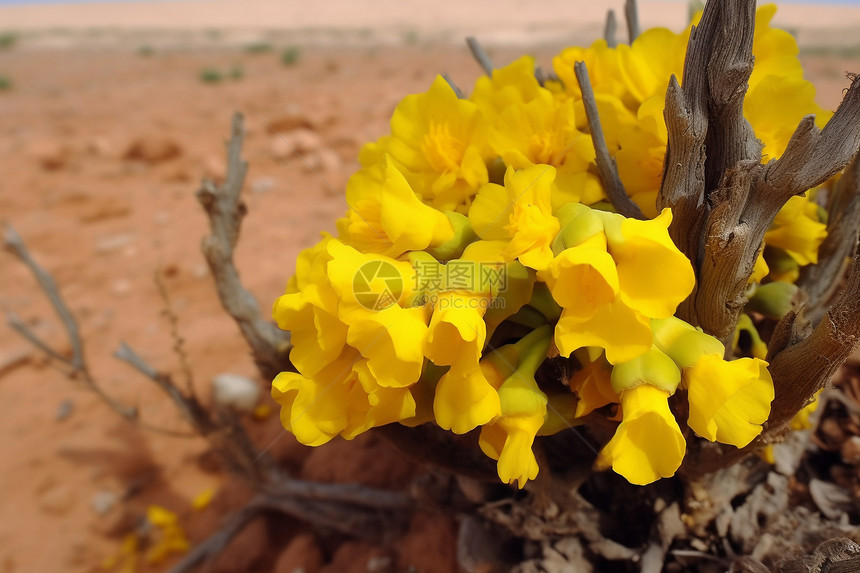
{"x": 797, "y": 232}
{"x": 593, "y": 385}
{"x": 457, "y": 328}
{"x": 582, "y": 277}
{"x": 392, "y": 341}
{"x": 464, "y": 399}
{"x": 728, "y": 400}
{"x": 615, "y": 327}
{"x": 654, "y": 276}
{"x": 648, "y": 444}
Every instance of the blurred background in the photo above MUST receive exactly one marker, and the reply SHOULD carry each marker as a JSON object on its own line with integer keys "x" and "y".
{"x": 110, "y": 115}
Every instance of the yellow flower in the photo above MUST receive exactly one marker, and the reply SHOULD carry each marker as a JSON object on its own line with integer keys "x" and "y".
{"x": 760, "y": 270}
{"x": 610, "y": 276}
{"x": 543, "y": 131}
{"x": 620, "y": 330}
{"x": 202, "y": 500}
{"x": 650, "y": 60}
{"x": 520, "y": 212}
{"x": 457, "y": 328}
{"x": 464, "y": 398}
{"x": 170, "y": 536}
{"x": 439, "y": 142}
{"x": 653, "y": 367}
{"x": 728, "y": 400}
{"x": 604, "y": 71}
{"x": 508, "y": 283}
{"x": 387, "y": 217}
{"x": 648, "y": 444}
{"x": 640, "y": 159}
{"x": 511, "y": 85}
{"x": 776, "y": 105}
{"x": 392, "y": 340}
{"x": 758, "y": 348}
{"x": 583, "y": 277}
{"x": 367, "y": 282}
{"x": 775, "y": 50}
{"x": 509, "y": 438}
{"x": 342, "y": 399}
{"x": 797, "y": 230}
{"x": 592, "y": 383}
{"x": 653, "y": 275}
{"x": 801, "y": 420}
{"x": 317, "y": 409}
{"x": 310, "y": 313}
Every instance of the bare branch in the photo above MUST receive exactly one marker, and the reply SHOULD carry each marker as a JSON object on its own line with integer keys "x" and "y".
{"x": 631, "y": 14}
{"x": 454, "y": 86}
{"x": 16, "y": 245}
{"x": 610, "y": 28}
{"x": 220, "y": 539}
{"x": 605, "y": 163}
{"x": 820, "y": 282}
{"x": 714, "y": 62}
{"x": 480, "y": 55}
{"x": 178, "y": 341}
{"x": 801, "y": 369}
{"x": 190, "y": 408}
{"x": 15, "y": 323}
{"x": 225, "y": 208}
{"x": 730, "y": 138}
{"x": 683, "y": 185}
{"x": 224, "y": 431}
{"x": 351, "y": 494}
{"x": 77, "y": 362}
{"x": 351, "y": 509}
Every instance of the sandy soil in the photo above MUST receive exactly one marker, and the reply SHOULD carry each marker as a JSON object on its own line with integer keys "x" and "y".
{"x": 101, "y": 151}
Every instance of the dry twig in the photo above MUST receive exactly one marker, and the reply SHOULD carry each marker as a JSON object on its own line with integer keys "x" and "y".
{"x": 820, "y": 282}
{"x": 480, "y": 55}
{"x": 631, "y": 14}
{"x": 605, "y": 162}
{"x": 77, "y": 365}
{"x": 349, "y": 509}
{"x": 224, "y": 206}
{"x": 609, "y": 29}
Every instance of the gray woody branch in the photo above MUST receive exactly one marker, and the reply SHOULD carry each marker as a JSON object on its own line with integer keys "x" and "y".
{"x": 723, "y": 197}
{"x": 605, "y": 163}
{"x": 724, "y": 200}
{"x": 224, "y": 206}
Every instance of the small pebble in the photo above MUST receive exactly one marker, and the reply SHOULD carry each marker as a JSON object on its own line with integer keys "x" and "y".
{"x": 64, "y": 410}
{"x": 235, "y": 391}
{"x": 103, "y": 501}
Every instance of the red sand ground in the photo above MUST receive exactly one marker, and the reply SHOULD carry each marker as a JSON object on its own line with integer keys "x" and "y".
{"x": 105, "y": 220}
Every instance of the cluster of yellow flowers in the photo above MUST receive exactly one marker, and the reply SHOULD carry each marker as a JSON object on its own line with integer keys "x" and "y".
{"x": 478, "y": 243}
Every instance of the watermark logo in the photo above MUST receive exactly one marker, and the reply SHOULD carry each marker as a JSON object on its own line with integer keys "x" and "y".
{"x": 469, "y": 276}
{"x": 377, "y": 285}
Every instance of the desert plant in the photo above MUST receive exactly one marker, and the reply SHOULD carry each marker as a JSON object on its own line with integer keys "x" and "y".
{"x": 237, "y": 72}
{"x": 602, "y": 267}
{"x": 8, "y": 40}
{"x": 211, "y": 76}
{"x": 291, "y": 55}
{"x": 259, "y": 48}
